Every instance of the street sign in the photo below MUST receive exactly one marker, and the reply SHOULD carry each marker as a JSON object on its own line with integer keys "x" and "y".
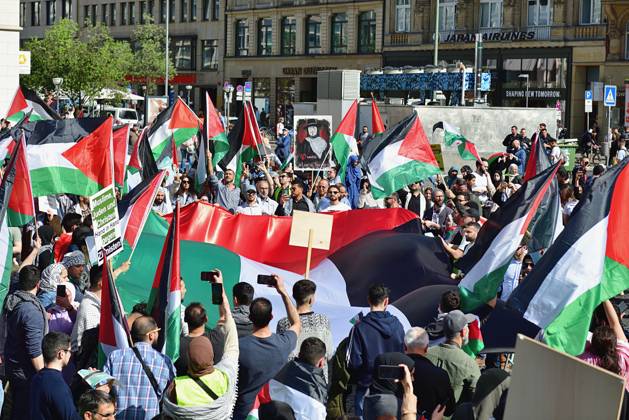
{"x": 610, "y": 95}
{"x": 248, "y": 90}
{"x": 588, "y": 105}
{"x": 24, "y": 62}
{"x": 588, "y": 95}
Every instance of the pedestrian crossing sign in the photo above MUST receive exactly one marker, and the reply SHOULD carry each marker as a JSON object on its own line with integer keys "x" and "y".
{"x": 610, "y": 95}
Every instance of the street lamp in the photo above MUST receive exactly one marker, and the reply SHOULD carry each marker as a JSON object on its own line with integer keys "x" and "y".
{"x": 228, "y": 90}
{"x": 145, "y": 90}
{"x": 526, "y": 76}
{"x": 188, "y": 89}
{"x": 57, "y": 81}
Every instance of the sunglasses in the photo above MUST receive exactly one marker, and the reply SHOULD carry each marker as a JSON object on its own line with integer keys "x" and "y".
{"x": 251, "y": 192}
{"x": 333, "y": 192}
{"x": 529, "y": 265}
{"x": 185, "y": 181}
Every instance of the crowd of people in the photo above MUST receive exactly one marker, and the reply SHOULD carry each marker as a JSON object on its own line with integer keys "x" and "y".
{"x": 49, "y": 334}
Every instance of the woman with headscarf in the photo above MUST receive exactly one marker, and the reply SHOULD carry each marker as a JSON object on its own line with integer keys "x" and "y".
{"x": 385, "y": 395}
{"x": 52, "y": 276}
{"x": 353, "y": 174}
{"x": 62, "y": 315}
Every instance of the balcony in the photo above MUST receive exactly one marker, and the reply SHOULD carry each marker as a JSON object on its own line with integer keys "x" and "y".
{"x": 403, "y": 39}
{"x": 586, "y": 32}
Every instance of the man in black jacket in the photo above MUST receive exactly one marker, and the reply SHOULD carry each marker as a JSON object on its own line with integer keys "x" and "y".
{"x": 431, "y": 384}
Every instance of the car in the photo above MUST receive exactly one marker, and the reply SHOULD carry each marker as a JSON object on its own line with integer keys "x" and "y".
{"x": 121, "y": 115}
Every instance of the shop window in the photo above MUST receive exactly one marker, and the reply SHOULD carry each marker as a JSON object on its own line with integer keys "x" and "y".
{"x": 206, "y": 10}
{"x": 66, "y": 9}
{"x": 367, "y": 32}
{"x": 447, "y": 15}
{"x": 265, "y": 36}
{"x": 590, "y": 12}
{"x": 539, "y": 13}
{"x": 261, "y": 95}
{"x": 112, "y": 14}
{"x": 35, "y": 13}
{"x": 209, "y": 54}
{"x": 242, "y": 37}
{"x": 402, "y": 15}
{"x": 51, "y": 11}
{"x": 339, "y": 33}
{"x": 313, "y": 35}
{"x": 289, "y": 35}
{"x": 104, "y": 15}
{"x": 544, "y": 73}
{"x": 285, "y": 98}
{"x": 123, "y": 13}
{"x": 490, "y": 13}
{"x": 193, "y": 10}
{"x": 183, "y": 53}
{"x": 183, "y": 11}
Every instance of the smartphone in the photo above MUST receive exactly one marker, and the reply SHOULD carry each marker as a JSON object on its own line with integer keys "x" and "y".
{"x": 268, "y": 280}
{"x": 209, "y": 276}
{"x": 507, "y": 178}
{"x": 61, "y": 290}
{"x": 217, "y": 293}
{"x": 390, "y": 372}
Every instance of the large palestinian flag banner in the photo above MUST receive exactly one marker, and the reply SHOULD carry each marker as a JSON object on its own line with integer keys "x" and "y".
{"x": 587, "y": 264}
{"x": 70, "y": 156}
{"x": 400, "y": 157}
{"x": 25, "y": 101}
{"x": 500, "y": 236}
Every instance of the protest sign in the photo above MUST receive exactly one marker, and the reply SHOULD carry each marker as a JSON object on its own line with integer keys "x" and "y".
{"x": 106, "y": 222}
{"x": 311, "y": 230}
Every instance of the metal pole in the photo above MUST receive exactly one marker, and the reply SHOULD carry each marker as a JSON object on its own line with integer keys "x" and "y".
{"x": 57, "y": 93}
{"x": 475, "y": 87}
{"x": 436, "y": 55}
{"x": 588, "y": 121}
{"x": 167, "y": 60}
{"x": 527, "y": 90}
{"x": 462, "y": 84}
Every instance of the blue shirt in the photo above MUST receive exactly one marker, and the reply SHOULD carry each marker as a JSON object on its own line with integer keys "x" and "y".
{"x": 50, "y": 397}
{"x": 136, "y": 398}
{"x": 511, "y": 278}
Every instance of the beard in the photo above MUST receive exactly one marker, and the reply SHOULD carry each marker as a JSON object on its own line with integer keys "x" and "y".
{"x": 466, "y": 340}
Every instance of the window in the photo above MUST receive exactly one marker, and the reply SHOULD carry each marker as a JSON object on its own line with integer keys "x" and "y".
{"x": 490, "y": 13}
{"x": 216, "y": 5}
{"x": 539, "y": 13}
{"x": 93, "y": 15}
{"x": 35, "y": 12}
{"x": 206, "y": 10}
{"x": 242, "y": 37}
{"x": 104, "y": 15}
{"x": 209, "y": 54}
{"x": 265, "y": 37}
{"x": 171, "y": 10}
{"x": 66, "y": 9}
{"x": 627, "y": 42}
{"x": 289, "y": 35}
{"x": 112, "y": 14}
{"x": 193, "y": 10}
{"x": 51, "y": 10}
{"x": 183, "y": 11}
{"x": 313, "y": 35}
{"x": 123, "y": 13}
{"x": 150, "y": 8}
{"x": 367, "y": 32}
{"x": 142, "y": 12}
{"x": 590, "y": 12}
{"x": 183, "y": 52}
{"x": 132, "y": 13}
{"x": 162, "y": 11}
{"x": 447, "y": 15}
{"x": 86, "y": 15}
{"x": 339, "y": 33}
{"x": 402, "y": 15}
{"x": 22, "y": 14}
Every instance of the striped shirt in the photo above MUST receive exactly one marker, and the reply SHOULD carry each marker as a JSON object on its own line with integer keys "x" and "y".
{"x": 136, "y": 398}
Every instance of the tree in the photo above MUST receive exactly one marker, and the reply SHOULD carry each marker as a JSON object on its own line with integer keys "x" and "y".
{"x": 87, "y": 59}
{"x": 149, "y": 65}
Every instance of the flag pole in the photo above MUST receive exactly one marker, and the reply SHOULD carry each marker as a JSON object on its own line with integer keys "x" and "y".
{"x": 309, "y": 255}
{"x": 323, "y": 163}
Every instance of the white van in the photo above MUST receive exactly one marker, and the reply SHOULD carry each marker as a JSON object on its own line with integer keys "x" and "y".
{"x": 121, "y": 115}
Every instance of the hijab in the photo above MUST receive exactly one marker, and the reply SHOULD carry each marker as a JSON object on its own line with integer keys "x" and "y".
{"x": 353, "y": 176}
{"x": 50, "y": 277}
{"x": 200, "y": 357}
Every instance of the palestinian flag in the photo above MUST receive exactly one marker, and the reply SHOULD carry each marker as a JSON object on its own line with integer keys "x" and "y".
{"x": 121, "y": 147}
{"x": 493, "y": 158}
{"x": 113, "y": 332}
{"x": 201, "y": 170}
{"x": 377, "y": 126}
{"x": 214, "y": 132}
{"x": 343, "y": 141}
{"x": 135, "y": 207}
{"x": 164, "y": 303}
{"x": 25, "y": 101}
{"x": 70, "y": 156}
{"x": 177, "y": 122}
{"x": 402, "y": 156}
{"x": 586, "y": 265}
{"x": 364, "y": 249}
{"x": 487, "y": 260}
{"x": 244, "y": 140}
{"x": 7, "y": 146}
{"x": 21, "y": 209}
{"x": 452, "y": 136}
{"x": 141, "y": 163}
{"x": 475, "y": 344}
{"x": 548, "y": 222}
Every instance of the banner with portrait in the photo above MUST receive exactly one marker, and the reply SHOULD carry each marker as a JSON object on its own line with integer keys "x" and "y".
{"x": 312, "y": 142}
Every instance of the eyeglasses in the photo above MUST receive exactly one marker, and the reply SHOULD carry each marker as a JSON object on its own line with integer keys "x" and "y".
{"x": 185, "y": 181}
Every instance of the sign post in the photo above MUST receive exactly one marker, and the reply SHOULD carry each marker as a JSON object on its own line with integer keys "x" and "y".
{"x": 588, "y": 107}
{"x": 310, "y": 230}
{"x": 609, "y": 99}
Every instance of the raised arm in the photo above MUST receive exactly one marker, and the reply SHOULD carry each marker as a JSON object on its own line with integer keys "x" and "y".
{"x": 291, "y": 311}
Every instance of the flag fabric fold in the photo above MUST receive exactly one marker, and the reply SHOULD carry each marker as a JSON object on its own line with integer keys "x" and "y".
{"x": 200, "y": 175}
{"x": 587, "y": 264}
{"x": 487, "y": 260}
{"x": 377, "y": 126}
{"x": 21, "y": 208}
{"x": 343, "y": 142}
{"x": 26, "y": 101}
{"x": 400, "y": 157}
{"x": 164, "y": 302}
{"x": 121, "y": 149}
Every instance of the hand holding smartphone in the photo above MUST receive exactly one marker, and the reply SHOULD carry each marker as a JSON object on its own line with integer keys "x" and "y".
{"x": 391, "y": 372}
{"x": 267, "y": 280}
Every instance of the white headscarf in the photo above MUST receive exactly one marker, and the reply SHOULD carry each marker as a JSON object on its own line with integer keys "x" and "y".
{"x": 50, "y": 277}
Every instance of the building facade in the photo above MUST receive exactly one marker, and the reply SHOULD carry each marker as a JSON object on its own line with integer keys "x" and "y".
{"x": 279, "y": 45}
{"x": 196, "y": 33}
{"x": 9, "y": 48}
{"x": 556, "y": 47}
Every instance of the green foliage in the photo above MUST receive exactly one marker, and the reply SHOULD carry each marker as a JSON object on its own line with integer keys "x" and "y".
{"x": 149, "y": 50}
{"x": 87, "y": 59}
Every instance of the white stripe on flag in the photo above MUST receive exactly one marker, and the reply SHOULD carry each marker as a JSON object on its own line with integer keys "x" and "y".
{"x": 304, "y": 406}
{"x": 579, "y": 270}
{"x": 452, "y": 129}
{"x": 48, "y": 156}
{"x": 160, "y": 135}
{"x": 6, "y": 253}
{"x": 386, "y": 160}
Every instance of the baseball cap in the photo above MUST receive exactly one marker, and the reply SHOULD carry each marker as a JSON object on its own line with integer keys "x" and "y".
{"x": 455, "y": 321}
{"x": 251, "y": 190}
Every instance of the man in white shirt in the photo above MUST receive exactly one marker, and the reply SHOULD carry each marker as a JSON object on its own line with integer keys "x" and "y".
{"x": 512, "y": 275}
{"x": 251, "y": 206}
{"x": 267, "y": 204}
{"x": 334, "y": 195}
{"x": 483, "y": 186}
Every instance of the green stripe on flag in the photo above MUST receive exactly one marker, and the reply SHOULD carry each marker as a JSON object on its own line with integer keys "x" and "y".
{"x": 399, "y": 176}
{"x": 59, "y": 180}
{"x": 221, "y": 147}
{"x": 17, "y": 219}
{"x": 183, "y": 134}
{"x": 485, "y": 289}
{"x": 342, "y": 151}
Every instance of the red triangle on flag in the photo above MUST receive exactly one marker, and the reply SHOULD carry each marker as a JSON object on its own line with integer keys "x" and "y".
{"x": 212, "y": 120}
{"x": 182, "y": 116}
{"x": 19, "y": 103}
{"x": 134, "y": 160}
{"x": 120, "y": 145}
{"x": 92, "y": 155}
{"x": 377, "y": 126}
{"x": 416, "y": 145}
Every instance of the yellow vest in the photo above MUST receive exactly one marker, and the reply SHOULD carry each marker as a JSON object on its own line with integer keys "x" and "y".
{"x": 190, "y": 394}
